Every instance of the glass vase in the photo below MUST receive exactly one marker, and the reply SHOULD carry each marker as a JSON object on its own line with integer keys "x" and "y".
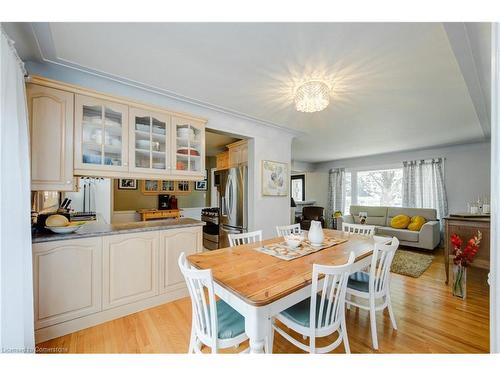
{"x": 459, "y": 281}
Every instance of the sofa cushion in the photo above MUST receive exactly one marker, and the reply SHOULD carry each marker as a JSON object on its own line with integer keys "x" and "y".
{"x": 428, "y": 213}
{"x": 400, "y": 221}
{"x": 376, "y": 215}
{"x": 400, "y": 234}
{"x": 416, "y": 223}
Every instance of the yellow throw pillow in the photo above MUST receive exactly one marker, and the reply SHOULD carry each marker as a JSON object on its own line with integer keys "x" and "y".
{"x": 416, "y": 223}
{"x": 400, "y": 221}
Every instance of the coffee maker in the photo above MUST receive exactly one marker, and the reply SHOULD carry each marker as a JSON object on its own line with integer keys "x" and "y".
{"x": 163, "y": 202}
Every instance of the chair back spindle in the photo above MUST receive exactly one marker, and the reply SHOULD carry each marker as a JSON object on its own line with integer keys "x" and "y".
{"x": 244, "y": 238}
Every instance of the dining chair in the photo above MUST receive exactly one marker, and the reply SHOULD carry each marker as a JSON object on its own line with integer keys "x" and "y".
{"x": 285, "y": 230}
{"x": 323, "y": 313}
{"x": 214, "y": 323}
{"x": 364, "y": 230}
{"x": 244, "y": 238}
{"x": 374, "y": 285}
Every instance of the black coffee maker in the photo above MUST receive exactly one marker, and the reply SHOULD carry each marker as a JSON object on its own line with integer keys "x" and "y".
{"x": 163, "y": 202}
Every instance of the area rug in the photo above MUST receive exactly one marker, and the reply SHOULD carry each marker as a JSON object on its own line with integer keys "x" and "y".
{"x": 409, "y": 263}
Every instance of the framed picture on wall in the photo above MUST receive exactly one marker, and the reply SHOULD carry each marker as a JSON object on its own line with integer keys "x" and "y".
{"x": 200, "y": 185}
{"x": 203, "y": 184}
{"x": 127, "y": 184}
{"x": 274, "y": 178}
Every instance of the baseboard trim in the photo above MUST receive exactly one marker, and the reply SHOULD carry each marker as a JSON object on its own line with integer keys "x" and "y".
{"x": 61, "y": 329}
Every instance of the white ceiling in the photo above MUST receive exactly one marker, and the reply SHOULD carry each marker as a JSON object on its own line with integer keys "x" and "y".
{"x": 396, "y": 86}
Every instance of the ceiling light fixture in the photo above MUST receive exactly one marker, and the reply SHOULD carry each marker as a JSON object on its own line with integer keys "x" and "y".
{"x": 312, "y": 96}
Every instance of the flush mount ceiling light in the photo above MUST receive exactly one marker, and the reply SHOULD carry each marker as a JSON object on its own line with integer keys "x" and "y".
{"x": 312, "y": 96}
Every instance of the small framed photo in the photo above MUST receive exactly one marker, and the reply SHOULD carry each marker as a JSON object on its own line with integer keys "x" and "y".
{"x": 200, "y": 185}
{"x": 127, "y": 184}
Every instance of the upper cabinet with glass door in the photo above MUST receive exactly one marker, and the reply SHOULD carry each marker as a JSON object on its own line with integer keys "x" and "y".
{"x": 149, "y": 142}
{"x": 101, "y": 135}
{"x": 189, "y": 146}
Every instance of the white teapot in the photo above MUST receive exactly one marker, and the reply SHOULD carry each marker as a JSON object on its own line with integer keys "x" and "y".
{"x": 315, "y": 234}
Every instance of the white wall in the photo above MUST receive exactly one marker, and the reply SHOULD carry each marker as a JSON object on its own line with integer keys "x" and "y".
{"x": 265, "y": 142}
{"x": 467, "y": 169}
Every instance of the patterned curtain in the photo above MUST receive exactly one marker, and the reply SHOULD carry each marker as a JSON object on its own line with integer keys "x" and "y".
{"x": 423, "y": 185}
{"x": 336, "y": 194}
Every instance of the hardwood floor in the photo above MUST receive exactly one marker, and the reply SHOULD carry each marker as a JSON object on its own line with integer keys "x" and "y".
{"x": 429, "y": 318}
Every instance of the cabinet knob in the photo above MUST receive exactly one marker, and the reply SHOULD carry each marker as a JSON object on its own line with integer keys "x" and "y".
{"x": 69, "y": 182}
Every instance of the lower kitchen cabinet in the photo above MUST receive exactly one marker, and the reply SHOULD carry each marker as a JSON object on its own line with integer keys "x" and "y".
{"x": 83, "y": 282}
{"x": 172, "y": 244}
{"x": 130, "y": 268}
{"x": 67, "y": 280}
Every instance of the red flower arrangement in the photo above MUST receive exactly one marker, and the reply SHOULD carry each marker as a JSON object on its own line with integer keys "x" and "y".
{"x": 466, "y": 256}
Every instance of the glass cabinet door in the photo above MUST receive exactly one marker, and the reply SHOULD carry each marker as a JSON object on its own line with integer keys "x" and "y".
{"x": 100, "y": 135}
{"x": 149, "y": 142}
{"x": 189, "y": 146}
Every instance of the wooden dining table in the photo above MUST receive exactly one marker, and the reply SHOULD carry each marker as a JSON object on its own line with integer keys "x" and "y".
{"x": 259, "y": 286}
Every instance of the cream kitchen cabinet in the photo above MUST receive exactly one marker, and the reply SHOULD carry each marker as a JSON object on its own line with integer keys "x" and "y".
{"x": 238, "y": 153}
{"x": 67, "y": 280}
{"x": 101, "y": 136}
{"x": 150, "y": 146}
{"x": 172, "y": 244}
{"x": 78, "y": 132}
{"x": 51, "y": 137}
{"x": 130, "y": 268}
{"x": 188, "y": 137}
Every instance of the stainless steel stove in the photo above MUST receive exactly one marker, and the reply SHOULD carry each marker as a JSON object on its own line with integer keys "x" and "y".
{"x": 211, "y": 228}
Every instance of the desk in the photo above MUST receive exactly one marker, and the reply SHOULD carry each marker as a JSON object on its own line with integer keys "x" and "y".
{"x": 466, "y": 228}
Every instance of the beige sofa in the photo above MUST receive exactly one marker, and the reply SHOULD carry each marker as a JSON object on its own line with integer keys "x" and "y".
{"x": 427, "y": 238}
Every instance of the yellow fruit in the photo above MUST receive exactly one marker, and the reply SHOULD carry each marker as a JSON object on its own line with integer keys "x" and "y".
{"x": 57, "y": 221}
{"x": 416, "y": 223}
{"x": 400, "y": 221}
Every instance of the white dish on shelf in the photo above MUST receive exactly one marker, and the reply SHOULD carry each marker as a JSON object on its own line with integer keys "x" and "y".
{"x": 143, "y": 143}
{"x": 158, "y": 130}
{"x": 142, "y": 127}
{"x": 185, "y": 133}
{"x": 159, "y": 165}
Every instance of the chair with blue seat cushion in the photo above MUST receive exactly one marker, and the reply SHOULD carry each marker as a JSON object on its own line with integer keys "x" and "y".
{"x": 230, "y": 322}
{"x": 214, "y": 323}
{"x": 359, "y": 281}
{"x": 323, "y": 313}
{"x": 374, "y": 286}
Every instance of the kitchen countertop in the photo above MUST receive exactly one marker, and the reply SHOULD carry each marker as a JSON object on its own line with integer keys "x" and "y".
{"x": 99, "y": 229}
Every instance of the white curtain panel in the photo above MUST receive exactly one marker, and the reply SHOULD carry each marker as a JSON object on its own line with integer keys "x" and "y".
{"x": 423, "y": 185}
{"x": 16, "y": 280}
{"x": 336, "y": 194}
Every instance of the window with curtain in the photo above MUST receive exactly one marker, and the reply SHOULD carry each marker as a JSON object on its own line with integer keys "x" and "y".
{"x": 424, "y": 185}
{"x": 380, "y": 187}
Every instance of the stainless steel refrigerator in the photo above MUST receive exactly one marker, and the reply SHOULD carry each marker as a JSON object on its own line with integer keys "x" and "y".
{"x": 232, "y": 185}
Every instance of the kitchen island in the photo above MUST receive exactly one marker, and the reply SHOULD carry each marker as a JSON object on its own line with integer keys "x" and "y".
{"x": 105, "y": 271}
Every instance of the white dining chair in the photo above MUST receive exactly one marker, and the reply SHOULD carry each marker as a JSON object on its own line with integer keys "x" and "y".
{"x": 214, "y": 323}
{"x": 285, "y": 230}
{"x": 323, "y": 313}
{"x": 244, "y": 238}
{"x": 362, "y": 229}
{"x": 373, "y": 287}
